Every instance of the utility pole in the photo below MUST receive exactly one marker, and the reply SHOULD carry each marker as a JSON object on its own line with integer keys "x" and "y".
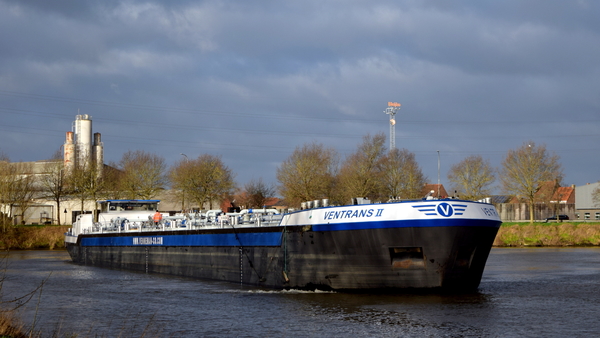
{"x": 439, "y": 182}
{"x": 183, "y": 188}
{"x": 391, "y": 110}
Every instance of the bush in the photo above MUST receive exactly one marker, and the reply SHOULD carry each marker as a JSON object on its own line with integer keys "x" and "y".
{"x": 548, "y": 234}
{"x": 33, "y": 237}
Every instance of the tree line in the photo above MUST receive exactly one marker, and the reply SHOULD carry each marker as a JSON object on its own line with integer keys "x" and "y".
{"x": 312, "y": 172}
{"x": 315, "y": 172}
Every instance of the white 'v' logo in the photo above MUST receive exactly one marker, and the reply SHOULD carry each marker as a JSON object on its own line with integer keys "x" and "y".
{"x": 445, "y": 209}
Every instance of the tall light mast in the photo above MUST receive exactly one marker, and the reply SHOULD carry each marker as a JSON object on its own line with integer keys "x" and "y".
{"x": 391, "y": 110}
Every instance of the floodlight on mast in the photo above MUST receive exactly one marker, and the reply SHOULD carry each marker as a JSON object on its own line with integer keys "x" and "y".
{"x": 391, "y": 110}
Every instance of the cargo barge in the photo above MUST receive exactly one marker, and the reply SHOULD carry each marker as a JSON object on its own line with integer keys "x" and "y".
{"x": 407, "y": 244}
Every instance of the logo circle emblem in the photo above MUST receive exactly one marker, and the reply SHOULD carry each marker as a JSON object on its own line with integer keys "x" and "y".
{"x": 445, "y": 209}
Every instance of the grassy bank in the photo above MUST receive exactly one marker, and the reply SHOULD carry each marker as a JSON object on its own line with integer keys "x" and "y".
{"x": 30, "y": 237}
{"x": 548, "y": 234}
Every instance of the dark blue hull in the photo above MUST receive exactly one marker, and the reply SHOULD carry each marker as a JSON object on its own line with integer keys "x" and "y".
{"x": 305, "y": 257}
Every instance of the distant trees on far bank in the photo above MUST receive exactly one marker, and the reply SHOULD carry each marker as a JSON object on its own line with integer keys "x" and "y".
{"x": 143, "y": 176}
{"x": 202, "y": 180}
{"x": 401, "y": 175}
{"x": 361, "y": 171}
{"x": 472, "y": 177}
{"x": 16, "y": 189}
{"x": 256, "y": 193}
{"x": 378, "y": 174}
{"x": 525, "y": 170}
{"x": 308, "y": 174}
{"x": 312, "y": 172}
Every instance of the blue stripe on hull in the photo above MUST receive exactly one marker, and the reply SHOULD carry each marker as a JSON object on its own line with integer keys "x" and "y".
{"x": 230, "y": 239}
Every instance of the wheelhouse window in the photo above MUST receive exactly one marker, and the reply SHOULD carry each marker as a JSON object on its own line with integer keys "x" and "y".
{"x": 120, "y": 206}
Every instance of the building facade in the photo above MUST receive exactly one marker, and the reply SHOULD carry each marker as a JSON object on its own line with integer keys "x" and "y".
{"x": 587, "y": 205}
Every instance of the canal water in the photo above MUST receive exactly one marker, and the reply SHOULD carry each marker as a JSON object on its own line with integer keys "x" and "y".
{"x": 538, "y": 292}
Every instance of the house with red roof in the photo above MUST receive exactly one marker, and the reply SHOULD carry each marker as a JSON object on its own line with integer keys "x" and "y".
{"x": 434, "y": 190}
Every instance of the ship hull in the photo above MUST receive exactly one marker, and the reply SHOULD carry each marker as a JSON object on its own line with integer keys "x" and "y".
{"x": 450, "y": 255}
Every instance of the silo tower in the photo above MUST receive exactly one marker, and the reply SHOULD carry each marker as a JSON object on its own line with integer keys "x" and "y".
{"x": 79, "y": 150}
{"x": 83, "y": 139}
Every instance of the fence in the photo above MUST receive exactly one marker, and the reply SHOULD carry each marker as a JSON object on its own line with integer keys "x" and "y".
{"x": 520, "y": 211}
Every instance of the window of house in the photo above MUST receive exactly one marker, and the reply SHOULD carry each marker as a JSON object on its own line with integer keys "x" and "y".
{"x": 587, "y": 215}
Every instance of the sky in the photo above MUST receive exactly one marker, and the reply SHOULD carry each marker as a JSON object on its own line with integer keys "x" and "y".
{"x": 250, "y": 81}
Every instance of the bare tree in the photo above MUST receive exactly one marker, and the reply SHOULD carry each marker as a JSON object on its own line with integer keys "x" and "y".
{"x": 526, "y": 169}
{"x": 112, "y": 180}
{"x": 256, "y": 193}
{"x": 5, "y": 187}
{"x": 203, "y": 180}
{"x": 472, "y": 177}
{"x": 360, "y": 173}
{"x": 54, "y": 184}
{"x": 401, "y": 176}
{"x": 308, "y": 174}
{"x": 16, "y": 189}
{"x": 86, "y": 184}
{"x": 4, "y": 210}
{"x": 144, "y": 174}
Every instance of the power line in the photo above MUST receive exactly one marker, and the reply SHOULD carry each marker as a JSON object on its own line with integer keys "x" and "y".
{"x": 181, "y": 110}
{"x": 260, "y": 115}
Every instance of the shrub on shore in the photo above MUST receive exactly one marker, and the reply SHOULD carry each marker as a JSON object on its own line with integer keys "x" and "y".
{"x": 548, "y": 234}
{"x": 33, "y": 237}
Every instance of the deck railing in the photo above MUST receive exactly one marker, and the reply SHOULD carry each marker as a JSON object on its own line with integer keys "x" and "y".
{"x": 183, "y": 222}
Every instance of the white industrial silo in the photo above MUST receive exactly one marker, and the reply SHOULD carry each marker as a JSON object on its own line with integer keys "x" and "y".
{"x": 83, "y": 139}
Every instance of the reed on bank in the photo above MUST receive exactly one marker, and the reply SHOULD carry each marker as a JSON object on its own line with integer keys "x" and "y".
{"x": 11, "y": 326}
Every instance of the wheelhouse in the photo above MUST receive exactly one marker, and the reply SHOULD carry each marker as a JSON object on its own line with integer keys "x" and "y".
{"x": 111, "y": 206}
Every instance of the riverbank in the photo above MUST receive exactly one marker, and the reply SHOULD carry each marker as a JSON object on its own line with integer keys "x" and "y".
{"x": 31, "y": 237}
{"x": 509, "y": 235}
{"x": 548, "y": 234}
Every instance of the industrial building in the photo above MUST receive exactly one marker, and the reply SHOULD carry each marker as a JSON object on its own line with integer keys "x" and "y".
{"x": 79, "y": 150}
